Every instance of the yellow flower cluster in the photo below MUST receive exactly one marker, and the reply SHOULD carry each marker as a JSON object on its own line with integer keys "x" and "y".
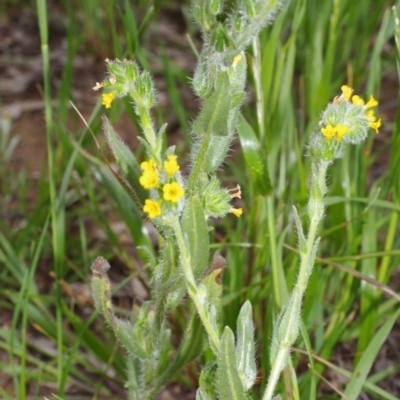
{"x": 172, "y": 191}
{"x": 339, "y": 131}
{"x": 375, "y": 123}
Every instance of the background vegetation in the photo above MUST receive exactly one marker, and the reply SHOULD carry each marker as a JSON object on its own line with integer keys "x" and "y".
{"x": 61, "y": 207}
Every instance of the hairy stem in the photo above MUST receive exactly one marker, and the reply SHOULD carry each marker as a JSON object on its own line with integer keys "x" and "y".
{"x": 200, "y": 304}
{"x": 315, "y": 212}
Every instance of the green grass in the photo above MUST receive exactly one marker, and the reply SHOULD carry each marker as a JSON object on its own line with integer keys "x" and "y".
{"x": 57, "y": 344}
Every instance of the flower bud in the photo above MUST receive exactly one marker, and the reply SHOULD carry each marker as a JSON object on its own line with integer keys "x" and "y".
{"x": 200, "y": 81}
{"x": 216, "y": 201}
{"x": 145, "y": 89}
{"x": 216, "y": 6}
{"x": 250, "y": 8}
{"x": 203, "y": 15}
{"x": 219, "y": 38}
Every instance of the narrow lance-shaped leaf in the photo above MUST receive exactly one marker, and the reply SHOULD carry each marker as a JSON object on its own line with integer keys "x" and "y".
{"x": 126, "y": 160}
{"x": 211, "y": 127}
{"x": 214, "y": 289}
{"x": 230, "y": 386}
{"x": 360, "y": 374}
{"x": 255, "y": 157}
{"x": 196, "y": 233}
{"x": 207, "y": 382}
{"x": 190, "y": 348}
{"x": 300, "y": 232}
{"x": 245, "y": 347}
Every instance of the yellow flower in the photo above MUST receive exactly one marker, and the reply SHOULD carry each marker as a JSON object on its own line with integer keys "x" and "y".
{"x": 236, "y": 211}
{"x": 149, "y": 179}
{"x": 171, "y": 166}
{"x": 372, "y": 102}
{"x": 376, "y": 125}
{"x": 107, "y": 99}
{"x": 370, "y": 115}
{"x": 173, "y": 192}
{"x": 147, "y": 166}
{"x": 347, "y": 91}
{"x": 357, "y": 100}
{"x": 341, "y": 131}
{"x": 152, "y": 208}
{"x": 329, "y": 132}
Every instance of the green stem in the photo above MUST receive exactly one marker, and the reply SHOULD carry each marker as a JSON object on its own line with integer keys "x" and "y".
{"x": 293, "y": 320}
{"x": 145, "y": 118}
{"x": 256, "y": 66}
{"x": 278, "y": 278}
{"x": 147, "y": 126}
{"x": 390, "y": 237}
{"x": 56, "y": 221}
{"x": 200, "y": 304}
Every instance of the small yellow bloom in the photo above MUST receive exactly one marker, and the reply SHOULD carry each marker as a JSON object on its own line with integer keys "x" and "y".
{"x": 370, "y": 115}
{"x": 347, "y": 91}
{"x": 107, "y": 99}
{"x": 173, "y": 192}
{"x": 372, "y": 102}
{"x": 236, "y": 211}
{"x": 376, "y": 125}
{"x": 149, "y": 179}
{"x": 329, "y": 132}
{"x": 171, "y": 166}
{"x": 152, "y": 208}
{"x": 147, "y": 166}
{"x": 357, "y": 100}
{"x": 341, "y": 131}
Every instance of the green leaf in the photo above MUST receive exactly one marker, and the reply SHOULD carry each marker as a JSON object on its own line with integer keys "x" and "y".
{"x": 245, "y": 347}
{"x": 124, "y": 331}
{"x": 207, "y": 382}
{"x": 300, "y": 232}
{"x": 203, "y": 15}
{"x": 168, "y": 283}
{"x": 369, "y": 293}
{"x": 126, "y": 160}
{"x": 101, "y": 291}
{"x": 190, "y": 348}
{"x": 213, "y": 117}
{"x": 359, "y": 375}
{"x": 255, "y": 157}
{"x": 202, "y": 395}
{"x": 192, "y": 344}
{"x": 211, "y": 126}
{"x": 196, "y": 234}
{"x": 214, "y": 289}
{"x": 229, "y": 384}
